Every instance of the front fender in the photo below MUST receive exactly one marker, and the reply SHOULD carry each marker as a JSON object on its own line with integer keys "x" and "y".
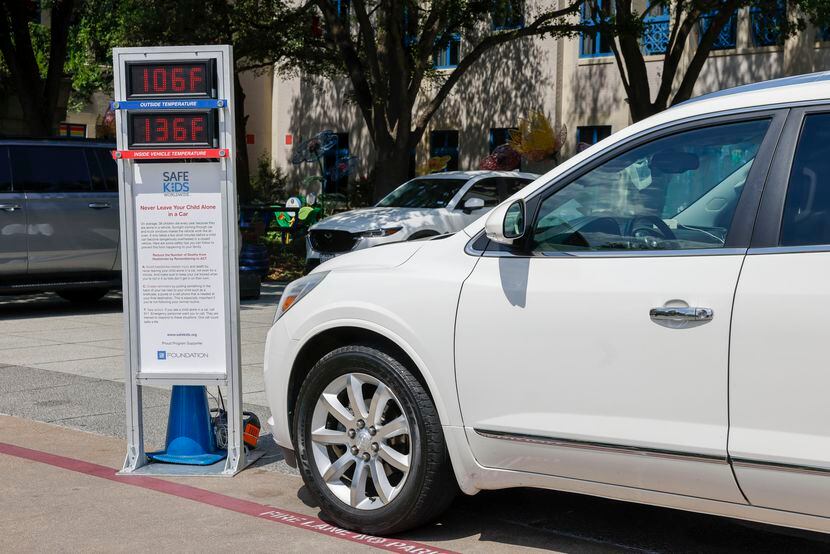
{"x": 447, "y": 413}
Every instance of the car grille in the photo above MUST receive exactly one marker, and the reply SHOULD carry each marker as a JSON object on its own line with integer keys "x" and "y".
{"x": 327, "y": 241}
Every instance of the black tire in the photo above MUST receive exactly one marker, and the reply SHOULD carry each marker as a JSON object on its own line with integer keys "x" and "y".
{"x": 82, "y": 296}
{"x": 430, "y": 486}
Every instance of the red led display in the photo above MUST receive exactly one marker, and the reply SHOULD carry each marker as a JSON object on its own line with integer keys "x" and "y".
{"x": 171, "y": 79}
{"x": 166, "y": 129}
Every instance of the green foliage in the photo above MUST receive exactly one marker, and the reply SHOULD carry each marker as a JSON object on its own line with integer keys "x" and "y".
{"x": 361, "y": 191}
{"x": 89, "y": 56}
{"x": 268, "y": 183}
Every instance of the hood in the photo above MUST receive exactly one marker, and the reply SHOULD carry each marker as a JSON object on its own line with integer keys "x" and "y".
{"x": 384, "y": 256}
{"x": 371, "y": 218}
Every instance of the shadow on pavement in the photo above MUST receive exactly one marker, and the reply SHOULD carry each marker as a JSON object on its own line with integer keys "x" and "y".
{"x": 49, "y": 304}
{"x": 566, "y": 522}
{"x": 574, "y": 523}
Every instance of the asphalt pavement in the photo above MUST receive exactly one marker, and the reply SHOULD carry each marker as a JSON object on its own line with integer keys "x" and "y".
{"x": 63, "y": 366}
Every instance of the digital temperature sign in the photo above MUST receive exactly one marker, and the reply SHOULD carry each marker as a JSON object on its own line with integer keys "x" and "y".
{"x": 172, "y": 129}
{"x": 192, "y": 79}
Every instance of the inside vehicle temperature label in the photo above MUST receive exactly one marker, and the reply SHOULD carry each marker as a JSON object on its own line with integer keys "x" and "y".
{"x": 180, "y": 268}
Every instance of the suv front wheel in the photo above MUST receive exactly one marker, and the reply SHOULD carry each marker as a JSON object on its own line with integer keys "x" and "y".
{"x": 370, "y": 444}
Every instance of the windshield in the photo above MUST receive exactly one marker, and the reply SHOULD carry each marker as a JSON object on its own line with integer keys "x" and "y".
{"x": 423, "y": 193}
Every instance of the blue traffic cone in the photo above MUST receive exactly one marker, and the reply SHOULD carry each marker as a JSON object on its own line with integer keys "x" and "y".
{"x": 190, "y": 438}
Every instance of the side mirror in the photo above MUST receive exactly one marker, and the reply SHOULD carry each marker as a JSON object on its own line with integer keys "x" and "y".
{"x": 506, "y": 223}
{"x": 473, "y": 204}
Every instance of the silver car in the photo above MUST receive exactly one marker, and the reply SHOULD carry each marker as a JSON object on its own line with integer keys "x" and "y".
{"x": 59, "y": 218}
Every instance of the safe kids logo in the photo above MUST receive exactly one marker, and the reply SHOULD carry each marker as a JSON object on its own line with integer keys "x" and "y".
{"x": 175, "y": 183}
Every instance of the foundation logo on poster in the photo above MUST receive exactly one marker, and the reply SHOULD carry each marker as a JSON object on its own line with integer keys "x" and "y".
{"x": 175, "y": 183}
{"x": 164, "y": 355}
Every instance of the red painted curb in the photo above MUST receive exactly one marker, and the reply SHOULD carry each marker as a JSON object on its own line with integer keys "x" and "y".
{"x": 238, "y": 505}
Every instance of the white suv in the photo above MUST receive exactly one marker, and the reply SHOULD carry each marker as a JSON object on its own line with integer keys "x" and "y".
{"x": 423, "y": 207}
{"x": 645, "y": 322}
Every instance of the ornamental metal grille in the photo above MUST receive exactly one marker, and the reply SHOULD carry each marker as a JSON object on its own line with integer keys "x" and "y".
{"x": 656, "y": 35}
{"x": 728, "y": 36}
{"x": 766, "y": 27}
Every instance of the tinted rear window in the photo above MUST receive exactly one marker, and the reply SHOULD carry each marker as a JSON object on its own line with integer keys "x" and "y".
{"x": 49, "y": 169}
{"x": 103, "y": 169}
{"x": 806, "y": 218}
{"x": 109, "y": 168}
{"x": 5, "y": 170}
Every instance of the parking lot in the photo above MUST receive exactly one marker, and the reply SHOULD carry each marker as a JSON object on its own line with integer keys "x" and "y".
{"x": 62, "y": 390}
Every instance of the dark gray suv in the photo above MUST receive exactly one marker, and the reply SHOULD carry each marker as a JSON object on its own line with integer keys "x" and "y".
{"x": 59, "y": 218}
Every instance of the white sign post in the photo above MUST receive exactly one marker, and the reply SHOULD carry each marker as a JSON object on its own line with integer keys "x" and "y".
{"x": 175, "y": 135}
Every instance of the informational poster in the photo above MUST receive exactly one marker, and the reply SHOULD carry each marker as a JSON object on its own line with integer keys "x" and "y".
{"x": 180, "y": 267}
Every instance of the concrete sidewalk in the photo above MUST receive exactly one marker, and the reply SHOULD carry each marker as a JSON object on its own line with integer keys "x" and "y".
{"x": 45, "y": 332}
{"x": 48, "y": 508}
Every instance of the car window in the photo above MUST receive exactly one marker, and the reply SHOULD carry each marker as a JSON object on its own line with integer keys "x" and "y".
{"x": 5, "y": 170}
{"x": 49, "y": 169}
{"x": 806, "y": 218}
{"x": 512, "y": 186}
{"x": 486, "y": 189}
{"x": 423, "y": 193}
{"x": 494, "y": 190}
{"x": 676, "y": 192}
{"x": 103, "y": 168}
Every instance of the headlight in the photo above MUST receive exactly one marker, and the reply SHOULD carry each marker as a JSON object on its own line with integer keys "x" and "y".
{"x": 295, "y": 290}
{"x": 379, "y": 232}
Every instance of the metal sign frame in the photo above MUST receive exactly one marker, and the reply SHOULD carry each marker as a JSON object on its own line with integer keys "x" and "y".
{"x": 223, "y": 58}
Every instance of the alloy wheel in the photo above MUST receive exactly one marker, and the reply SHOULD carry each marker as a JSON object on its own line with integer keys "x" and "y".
{"x": 361, "y": 441}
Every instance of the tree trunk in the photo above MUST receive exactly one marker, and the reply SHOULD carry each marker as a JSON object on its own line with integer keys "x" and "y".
{"x": 38, "y": 97}
{"x": 244, "y": 190}
{"x": 641, "y": 107}
{"x": 391, "y": 168}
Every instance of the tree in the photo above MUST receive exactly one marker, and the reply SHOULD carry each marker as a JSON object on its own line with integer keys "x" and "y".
{"x": 386, "y": 49}
{"x": 37, "y": 82}
{"x": 694, "y": 28}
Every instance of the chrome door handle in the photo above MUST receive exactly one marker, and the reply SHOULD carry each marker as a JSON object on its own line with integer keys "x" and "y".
{"x": 9, "y": 207}
{"x": 677, "y": 313}
{"x": 99, "y": 205}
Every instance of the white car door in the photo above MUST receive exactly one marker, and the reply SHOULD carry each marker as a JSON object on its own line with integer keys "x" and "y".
{"x": 598, "y": 348}
{"x": 779, "y": 439}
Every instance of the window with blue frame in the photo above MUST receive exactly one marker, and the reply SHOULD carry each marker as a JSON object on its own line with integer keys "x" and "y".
{"x": 592, "y": 134}
{"x": 594, "y": 45}
{"x": 336, "y": 165}
{"x": 343, "y": 7}
{"x": 444, "y": 143}
{"x": 656, "y": 30}
{"x": 508, "y": 14}
{"x": 500, "y": 136}
{"x": 447, "y": 55}
{"x": 768, "y": 23}
{"x": 728, "y": 36}
{"x": 343, "y": 10}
